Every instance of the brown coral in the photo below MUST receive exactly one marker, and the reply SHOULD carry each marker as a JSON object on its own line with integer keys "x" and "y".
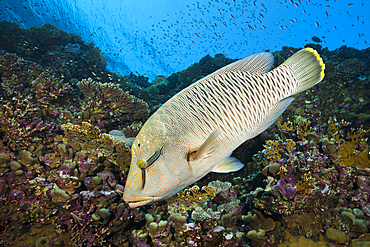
{"x": 86, "y": 136}
{"x": 89, "y": 138}
{"x": 195, "y": 195}
{"x": 132, "y": 130}
{"x": 354, "y": 150}
{"x": 97, "y": 91}
{"x": 258, "y": 221}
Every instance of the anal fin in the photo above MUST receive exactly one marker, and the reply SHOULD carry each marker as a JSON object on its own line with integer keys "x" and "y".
{"x": 229, "y": 164}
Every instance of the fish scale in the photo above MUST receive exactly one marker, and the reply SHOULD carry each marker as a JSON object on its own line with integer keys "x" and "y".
{"x": 217, "y": 98}
{"x": 195, "y": 131}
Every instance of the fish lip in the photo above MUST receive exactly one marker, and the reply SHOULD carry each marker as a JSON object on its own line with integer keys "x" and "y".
{"x": 138, "y": 203}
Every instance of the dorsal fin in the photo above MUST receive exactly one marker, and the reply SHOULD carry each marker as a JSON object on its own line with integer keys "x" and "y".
{"x": 257, "y": 64}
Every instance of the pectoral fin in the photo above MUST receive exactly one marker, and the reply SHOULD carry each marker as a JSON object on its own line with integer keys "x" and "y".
{"x": 207, "y": 147}
{"x": 229, "y": 164}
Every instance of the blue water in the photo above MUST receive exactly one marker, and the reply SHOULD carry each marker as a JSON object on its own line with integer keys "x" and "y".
{"x": 153, "y": 37}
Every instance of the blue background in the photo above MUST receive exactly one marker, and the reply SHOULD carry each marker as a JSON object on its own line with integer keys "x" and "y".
{"x": 153, "y": 37}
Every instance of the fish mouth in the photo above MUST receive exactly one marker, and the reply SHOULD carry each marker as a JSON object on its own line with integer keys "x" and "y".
{"x": 138, "y": 203}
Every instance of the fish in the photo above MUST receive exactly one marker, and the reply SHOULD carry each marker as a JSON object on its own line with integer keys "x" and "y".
{"x": 195, "y": 132}
{"x": 316, "y": 39}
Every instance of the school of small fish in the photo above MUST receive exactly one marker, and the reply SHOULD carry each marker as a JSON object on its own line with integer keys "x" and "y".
{"x": 172, "y": 40}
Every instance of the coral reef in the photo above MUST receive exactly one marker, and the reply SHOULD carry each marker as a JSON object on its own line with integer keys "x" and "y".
{"x": 104, "y": 100}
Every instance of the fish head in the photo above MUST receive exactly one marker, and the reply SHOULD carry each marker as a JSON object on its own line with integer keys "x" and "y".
{"x": 159, "y": 169}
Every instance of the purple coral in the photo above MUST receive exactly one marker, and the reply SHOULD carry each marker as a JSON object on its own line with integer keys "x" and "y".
{"x": 286, "y": 189}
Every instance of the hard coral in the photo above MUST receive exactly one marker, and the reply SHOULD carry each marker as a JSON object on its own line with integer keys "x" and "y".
{"x": 288, "y": 191}
{"x": 105, "y": 99}
{"x": 302, "y": 241}
{"x": 30, "y": 93}
{"x": 195, "y": 195}
{"x": 89, "y": 139}
{"x": 86, "y": 136}
{"x": 354, "y": 149}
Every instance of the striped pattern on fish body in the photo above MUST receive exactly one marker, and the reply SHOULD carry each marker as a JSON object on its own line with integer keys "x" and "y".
{"x": 195, "y": 131}
{"x": 236, "y": 103}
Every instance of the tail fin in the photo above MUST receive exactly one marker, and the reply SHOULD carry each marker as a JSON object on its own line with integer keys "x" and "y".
{"x": 308, "y": 67}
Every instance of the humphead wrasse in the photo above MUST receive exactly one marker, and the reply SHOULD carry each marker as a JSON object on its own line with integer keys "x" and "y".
{"x": 195, "y": 131}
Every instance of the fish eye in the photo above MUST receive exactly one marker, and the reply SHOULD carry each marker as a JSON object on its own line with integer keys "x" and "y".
{"x": 142, "y": 164}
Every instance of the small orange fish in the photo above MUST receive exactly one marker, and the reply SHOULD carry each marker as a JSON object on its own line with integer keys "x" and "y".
{"x": 349, "y": 4}
{"x": 36, "y": 87}
{"x": 30, "y": 52}
{"x": 259, "y": 168}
